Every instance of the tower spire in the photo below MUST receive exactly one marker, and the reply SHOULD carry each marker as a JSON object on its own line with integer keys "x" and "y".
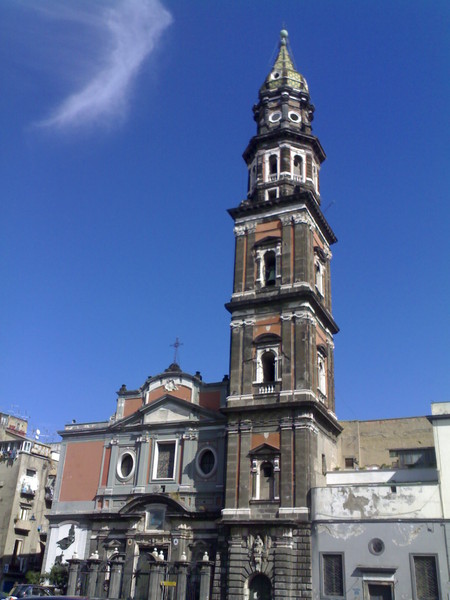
{"x": 284, "y": 72}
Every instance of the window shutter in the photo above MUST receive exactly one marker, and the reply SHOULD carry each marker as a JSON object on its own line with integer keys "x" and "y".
{"x": 426, "y": 578}
{"x": 333, "y": 575}
{"x": 309, "y": 166}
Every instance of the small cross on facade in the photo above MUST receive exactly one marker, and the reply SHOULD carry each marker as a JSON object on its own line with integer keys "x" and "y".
{"x": 176, "y": 345}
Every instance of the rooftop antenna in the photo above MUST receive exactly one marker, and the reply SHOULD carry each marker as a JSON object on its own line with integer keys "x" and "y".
{"x": 176, "y": 345}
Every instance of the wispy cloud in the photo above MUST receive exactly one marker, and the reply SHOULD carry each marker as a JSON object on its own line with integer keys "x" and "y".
{"x": 132, "y": 29}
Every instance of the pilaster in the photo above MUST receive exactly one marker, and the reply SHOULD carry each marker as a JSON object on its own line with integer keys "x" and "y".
{"x": 245, "y": 428}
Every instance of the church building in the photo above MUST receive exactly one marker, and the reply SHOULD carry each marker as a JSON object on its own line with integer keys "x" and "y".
{"x": 250, "y": 488}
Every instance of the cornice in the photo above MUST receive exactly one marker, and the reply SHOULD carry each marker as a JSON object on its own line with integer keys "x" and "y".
{"x": 279, "y": 135}
{"x": 281, "y": 298}
{"x": 247, "y": 208}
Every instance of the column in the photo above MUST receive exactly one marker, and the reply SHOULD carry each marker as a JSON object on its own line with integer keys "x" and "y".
{"x": 286, "y": 462}
{"x": 154, "y": 581}
{"x": 94, "y": 564}
{"x": 182, "y": 569}
{"x": 244, "y": 464}
{"x": 205, "y": 580}
{"x": 232, "y": 466}
{"x": 115, "y": 580}
{"x": 74, "y": 569}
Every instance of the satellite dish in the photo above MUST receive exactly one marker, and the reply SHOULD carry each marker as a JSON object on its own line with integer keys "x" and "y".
{"x": 38, "y": 433}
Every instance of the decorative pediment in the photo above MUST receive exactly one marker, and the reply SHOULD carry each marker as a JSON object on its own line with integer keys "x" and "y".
{"x": 168, "y": 409}
{"x": 170, "y": 412}
{"x": 264, "y": 450}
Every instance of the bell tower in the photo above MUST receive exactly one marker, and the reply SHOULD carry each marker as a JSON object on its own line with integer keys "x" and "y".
{"x": 282, "y": 428}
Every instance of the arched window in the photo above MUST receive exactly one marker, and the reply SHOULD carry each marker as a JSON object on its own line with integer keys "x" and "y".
{"x": 321, "y": 374}
{"x": 268, "y": 359}
{"x": 266, "y": 481}
{"x": 273, "y": 165}
{"x": 298, "y": 168}
{"x": 319, "y": 276}
{"x": 269, "y": 268}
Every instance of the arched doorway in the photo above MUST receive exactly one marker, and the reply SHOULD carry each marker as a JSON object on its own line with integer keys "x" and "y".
{"x": 260, "y": 588}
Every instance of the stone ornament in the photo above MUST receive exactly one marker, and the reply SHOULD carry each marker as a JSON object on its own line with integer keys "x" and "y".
{"x": 258, "y": 551}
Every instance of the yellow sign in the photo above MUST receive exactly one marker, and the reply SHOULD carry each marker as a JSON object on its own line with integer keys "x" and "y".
{"x": 169, "y": 583}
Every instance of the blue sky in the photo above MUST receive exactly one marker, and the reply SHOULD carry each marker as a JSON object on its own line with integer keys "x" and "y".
{"x": 123, "y": 126}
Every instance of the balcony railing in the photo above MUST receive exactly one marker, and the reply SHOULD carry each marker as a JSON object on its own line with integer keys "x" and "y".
{"x": 270, "y": 387}
{"x": 276, "y": 177}
{"x": 267, "y": 388}
{"x": 27, "y": 490}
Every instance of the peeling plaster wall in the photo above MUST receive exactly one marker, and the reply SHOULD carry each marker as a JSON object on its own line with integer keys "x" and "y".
{"x": 377, "y": 502}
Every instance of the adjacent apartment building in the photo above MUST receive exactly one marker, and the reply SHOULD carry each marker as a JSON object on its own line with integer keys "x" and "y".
{"x": 27, "y": 478}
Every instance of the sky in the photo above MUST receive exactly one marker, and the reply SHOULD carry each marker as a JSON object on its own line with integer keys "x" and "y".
{"x": 123, "y": 124}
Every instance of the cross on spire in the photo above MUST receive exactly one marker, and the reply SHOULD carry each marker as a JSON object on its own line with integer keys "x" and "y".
{"x": 176, "y": 345}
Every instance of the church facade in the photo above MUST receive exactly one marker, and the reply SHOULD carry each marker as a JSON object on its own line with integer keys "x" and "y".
{"x": 234, "y": 489}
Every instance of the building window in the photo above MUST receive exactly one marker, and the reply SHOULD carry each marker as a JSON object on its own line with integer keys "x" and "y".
{"x": 269, "y": 268}
{"x": 266, "y": 481}
{"x": 272, "y": 194}
{"x": 319, "y": 276}
{"x": 126, "y": 465}
{"x": 321, "y": 374}
{"x": 275, "y": 117}
{"x": 26, "y": 447}
{"x": 273, "y": 165}
{"x": 155, "y": 517}
{"x": 24, "y": 513}
{"x": 413, "y": 457}
{"x": 267, "y": 263}
{"x": 31, "y": 473}
{"x": 425, "y": 578}
{"x": 165, "y": 460}
{"x": 376, "y": 546}
{"x": 298, "y": 168}
{"x": 206, "y": 462}
{"x": 333, "y": 575}
{"x": 267, "y": 364}
{"x": 349, "y": 462}
{"x": 18, "y": 543}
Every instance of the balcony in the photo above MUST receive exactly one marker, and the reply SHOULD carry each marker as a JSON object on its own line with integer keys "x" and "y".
{"x": 27, "y": 490}
{"x": 22, "y": 525}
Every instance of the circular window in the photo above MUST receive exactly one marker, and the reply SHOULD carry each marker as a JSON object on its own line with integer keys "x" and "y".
{"x": 294, "y": 117}
{"x": 206, "y": 462}
{"x": 125, "y": 467}
{"x": 275, "y": 117}
{"x": 376, "y": 546}
{"x": 275, "y": 75}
